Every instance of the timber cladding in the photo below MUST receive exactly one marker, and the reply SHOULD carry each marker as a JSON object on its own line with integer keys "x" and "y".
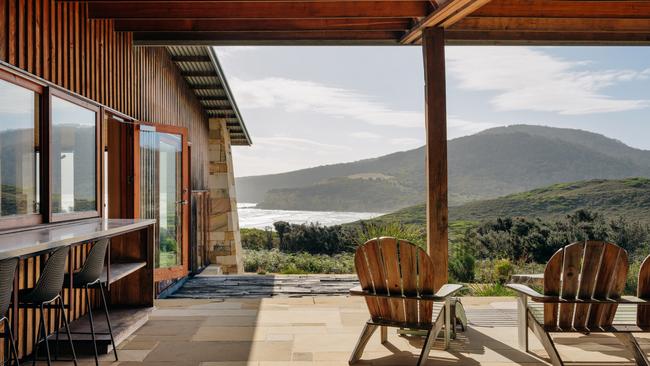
{"x": 57, "y": 42}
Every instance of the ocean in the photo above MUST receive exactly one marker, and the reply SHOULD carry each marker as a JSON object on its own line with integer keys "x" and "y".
{"x": 251, "y": 217}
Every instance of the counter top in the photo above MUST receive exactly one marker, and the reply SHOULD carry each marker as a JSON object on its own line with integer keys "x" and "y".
{"x": 47, "y": 237}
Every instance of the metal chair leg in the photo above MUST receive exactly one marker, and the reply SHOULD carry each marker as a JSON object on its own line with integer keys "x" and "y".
{"x": 108, "y": 320}
{"x": 37, "y": 342}
{"x": 12, "y": 346}
{"x": 92, "y": 324}
{"x": 361, "y": 343}
{"x": 67, "y": 330}
{"x": 57, "y": 326}
{"x": 45, "y": 334}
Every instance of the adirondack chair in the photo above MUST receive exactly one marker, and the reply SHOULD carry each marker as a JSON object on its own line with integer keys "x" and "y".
{"x": 397, "y": 281}
{"x": 583, "y": 283}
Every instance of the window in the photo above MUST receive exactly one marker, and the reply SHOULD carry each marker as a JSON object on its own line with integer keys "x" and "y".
{"x": 73, "y": 149}
{"x": 19, "y": 149}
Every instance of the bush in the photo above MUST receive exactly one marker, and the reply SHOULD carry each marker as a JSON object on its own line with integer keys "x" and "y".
{"x": 411, "y": 233}
{"x": 275, "y": 261}
{"x": 535, "y": 240}
{"x": 462, "y": 264}
{"x": 503, "y": 269}
{"x": 314, "y": 238}
{"x": 489, "y": 289}
{"x": 257, "y": 239}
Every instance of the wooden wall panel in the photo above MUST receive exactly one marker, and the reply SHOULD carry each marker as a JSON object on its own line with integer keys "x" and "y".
{"x": 57, "y": 41}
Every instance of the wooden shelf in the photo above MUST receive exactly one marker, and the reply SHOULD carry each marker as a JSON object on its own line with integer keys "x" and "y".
{"x": 121, "y": 270}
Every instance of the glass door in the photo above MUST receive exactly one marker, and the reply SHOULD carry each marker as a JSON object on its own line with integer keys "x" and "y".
{"x": 162, "y": 193}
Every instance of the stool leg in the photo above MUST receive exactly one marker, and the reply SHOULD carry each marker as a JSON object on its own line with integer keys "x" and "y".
{"x": 67, "y": 330}
{"x": 57, "y": 327}
{"x": 108, "y": 320}
{"x": 92, "y": 324}
{"x": 14, "y": 351}
{"x": 47, "y": 342}
{"x": 37, "y": 342}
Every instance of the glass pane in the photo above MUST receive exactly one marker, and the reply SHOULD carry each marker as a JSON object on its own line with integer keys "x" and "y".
{"x": 73, "y": 158}
{"x": 161, "y": 192}
{"x": 18, "y": 150}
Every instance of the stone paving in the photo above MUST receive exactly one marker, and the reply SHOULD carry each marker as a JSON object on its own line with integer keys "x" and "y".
{"x": 323, "y": 330}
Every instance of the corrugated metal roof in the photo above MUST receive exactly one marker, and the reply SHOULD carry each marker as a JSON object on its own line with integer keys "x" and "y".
{"x": 202, "y": 71}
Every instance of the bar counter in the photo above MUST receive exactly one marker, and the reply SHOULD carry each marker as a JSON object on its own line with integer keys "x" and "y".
{"x": 128, "y": 273}
{"x": 48, "y": 237}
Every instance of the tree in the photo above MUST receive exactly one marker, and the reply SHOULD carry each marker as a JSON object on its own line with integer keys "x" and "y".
{"x": 282, "y": 228}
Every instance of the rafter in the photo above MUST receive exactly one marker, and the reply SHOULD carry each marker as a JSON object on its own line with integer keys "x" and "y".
{"x": 232, "y": 25}
{"x": 244, "y": 38}
{"x": 258, "y": 9}
{"x": 546, "y": 38}
{"x": 565, "y": 9}
{"x": 521, "y": 24}
{"x": 450, "y": 12}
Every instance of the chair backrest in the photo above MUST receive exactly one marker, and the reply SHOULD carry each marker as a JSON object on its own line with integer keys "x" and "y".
{"x": 643, "y": 292}
{"x": 50, "y": 282}
{"x": 7, "y": 272}
{"x": 584, "y": 270}
{"x": 94, "y": 264}
{"x": 386, "y": 266}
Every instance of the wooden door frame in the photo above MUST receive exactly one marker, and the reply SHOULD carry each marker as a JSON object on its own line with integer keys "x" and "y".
{"x": 161, "y": 274}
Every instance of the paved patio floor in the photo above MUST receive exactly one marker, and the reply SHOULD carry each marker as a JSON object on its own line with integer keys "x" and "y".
{"x": 323, "y": 331}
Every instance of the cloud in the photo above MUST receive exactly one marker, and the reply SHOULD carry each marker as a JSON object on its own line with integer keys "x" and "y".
{"x": 230, "y": 51}
{"x": 406, "y": 142}
{"x": 527, "y": 79}
{"x": 365, "y": 135}
{"x": 302, "y": 95}
{"x": 461, "y": 127}
{"x": 295, "y": 143}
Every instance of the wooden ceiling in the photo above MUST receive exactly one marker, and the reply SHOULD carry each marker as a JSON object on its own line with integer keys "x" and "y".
{"x": 214, "y": 22}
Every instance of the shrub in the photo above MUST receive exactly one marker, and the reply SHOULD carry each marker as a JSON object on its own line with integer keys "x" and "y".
{"x": 489, "y": 289}
{"x": 462, "y": 264}
{"x": 411, "y": 233}
{"x": 503, "y": 269}
{"x": 257, "y": 239}
{"x": 275, "y": 261}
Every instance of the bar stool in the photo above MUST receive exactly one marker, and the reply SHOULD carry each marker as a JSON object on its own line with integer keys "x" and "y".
{"x": 45, "y": 293}
{"x": 90, "y": 276}
{"x": 7, "y": 273}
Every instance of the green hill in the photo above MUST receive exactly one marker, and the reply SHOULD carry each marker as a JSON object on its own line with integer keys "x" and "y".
{"x": 626, "y": 197}
{"x": 490, "y": 164}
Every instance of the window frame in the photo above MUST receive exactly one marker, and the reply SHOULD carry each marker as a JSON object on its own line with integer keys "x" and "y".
{"x": 97, "y": 212}
{"x": 36, "y": 218}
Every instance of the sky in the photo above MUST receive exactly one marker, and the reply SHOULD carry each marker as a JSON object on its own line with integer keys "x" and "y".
{"x": 309, "y": 106}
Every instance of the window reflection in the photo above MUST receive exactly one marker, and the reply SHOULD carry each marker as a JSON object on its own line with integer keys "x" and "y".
{"x": 161, "y": 192}
{"x": 73, "y": 150}
{"x": 18, "y": 150}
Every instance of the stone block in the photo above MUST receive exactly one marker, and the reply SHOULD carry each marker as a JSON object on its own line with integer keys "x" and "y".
{"x": 220, "y": 205}
{"x": 218, "y": 222}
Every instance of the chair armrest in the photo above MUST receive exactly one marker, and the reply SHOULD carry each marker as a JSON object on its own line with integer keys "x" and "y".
{"x": 527, "y": 291}
{"x": 442, "y": 294}
{"x": 448, "y": 290}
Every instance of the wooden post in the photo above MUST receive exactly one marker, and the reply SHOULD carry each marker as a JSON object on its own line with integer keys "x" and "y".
{"x": 433, "y": 48}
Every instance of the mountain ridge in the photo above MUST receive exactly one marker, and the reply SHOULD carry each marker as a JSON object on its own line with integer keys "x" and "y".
{"x": 490, "y": 164}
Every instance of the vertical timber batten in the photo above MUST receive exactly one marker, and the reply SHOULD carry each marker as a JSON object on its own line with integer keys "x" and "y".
{"x": 433, "y": 48}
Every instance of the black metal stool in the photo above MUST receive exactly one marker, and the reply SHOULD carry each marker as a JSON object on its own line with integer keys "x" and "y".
{"x": 89, "y": 276}
{"x": 7, "y": 273}
{"x": 47, "y": 293}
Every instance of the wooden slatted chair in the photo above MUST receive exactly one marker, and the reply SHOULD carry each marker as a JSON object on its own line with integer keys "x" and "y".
{"x": 397, "y": 281}
{"x": 583, "y": 283}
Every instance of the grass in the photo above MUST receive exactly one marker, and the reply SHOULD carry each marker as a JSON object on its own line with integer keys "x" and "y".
{"x": 274, "y": 261}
